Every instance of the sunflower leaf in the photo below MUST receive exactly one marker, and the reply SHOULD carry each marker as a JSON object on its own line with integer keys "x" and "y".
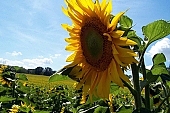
{"x": 101, "y": 109}
{"x": 53, "y": 78}
{"x": 159, "y": 69}
{"x": 6, "y": 99}
{"x": 23, "y": 77}
{"x": 156, "y": 30}
{"x": 125, "y": 22}
{"x": 125, "y": 109}
{"x": 159, "y": 58}
{"x": 132, "y": 35}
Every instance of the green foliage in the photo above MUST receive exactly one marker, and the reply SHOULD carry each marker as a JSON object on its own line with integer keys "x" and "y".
{"x": 6, "y": 99}
{"x": 158, "y": 59}
{"x": 125, "y": 109}
{"x": 132, "y": 35}
{"x": 159, "y": 67}
{"x": 126, "y": 22}
{"x": 22, "y": 77}
{"x": 156, "y": 30}
{"x": 101, "y": 109}
{"x": 57, "y": 77}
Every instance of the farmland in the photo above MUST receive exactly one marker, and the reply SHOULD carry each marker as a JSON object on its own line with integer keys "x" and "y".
{"x": 41, "y": 80}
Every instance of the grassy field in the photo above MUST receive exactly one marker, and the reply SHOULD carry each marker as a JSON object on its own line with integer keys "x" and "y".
{"x": 41, "y": 80}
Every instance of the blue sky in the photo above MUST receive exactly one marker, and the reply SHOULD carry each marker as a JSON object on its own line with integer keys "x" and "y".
{"x": 31, "y": 34}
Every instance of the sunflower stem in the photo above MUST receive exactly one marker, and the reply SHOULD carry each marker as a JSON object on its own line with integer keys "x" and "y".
{"x": 135, "y": 74}
{"x": 147, "y": 92}
{"x": 141, "y": 54}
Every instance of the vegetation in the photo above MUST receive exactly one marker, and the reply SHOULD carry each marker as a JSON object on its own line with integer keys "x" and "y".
{"x": 38, "y": 70}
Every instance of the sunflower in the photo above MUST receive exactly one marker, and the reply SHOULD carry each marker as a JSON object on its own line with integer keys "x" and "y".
{"x": 4, "y": 80}
{"x": 15, "y": 109}
{"x": 2, "y": 68}
{"x": 97, "y": 45}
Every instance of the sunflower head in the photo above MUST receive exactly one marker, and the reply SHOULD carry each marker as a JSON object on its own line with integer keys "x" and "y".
{"x": 97, "y": 45}
{"x": 2, "y": 68}
{"x": 15, "y": 109}
{"x": 5, "y": 81}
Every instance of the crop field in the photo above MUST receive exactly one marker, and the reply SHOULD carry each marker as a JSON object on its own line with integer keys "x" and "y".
{"x": 43, "y": 81}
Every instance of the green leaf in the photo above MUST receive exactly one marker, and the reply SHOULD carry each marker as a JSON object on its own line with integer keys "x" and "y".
{"x": 124, "y": 110}
{"x": 159, "y": 69}
{"x": 159, "y": 58}
{"x": 6, "y": 99}
{"x": 132, "y": 35}
{"x": 23, "y": 77}
{"x": 53, "y": 78}
{"x": 142, "y": 110}
{"x": 39, "y": 111}
{"x": 150, "y": 77}
{"x": 125, "y": 22}
{"x": 2, "y": 88}
{"x": 113, "y": 87}
{"x": 100, "y": 109}
{"x": 156, "y": 30}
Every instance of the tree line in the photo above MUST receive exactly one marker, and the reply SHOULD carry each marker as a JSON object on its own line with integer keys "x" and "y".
{"x": 38, "y": 70}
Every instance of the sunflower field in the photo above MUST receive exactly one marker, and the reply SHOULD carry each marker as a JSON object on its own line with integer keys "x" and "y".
{"x": 20, "y": 93}
{"x": 106, "y": 73}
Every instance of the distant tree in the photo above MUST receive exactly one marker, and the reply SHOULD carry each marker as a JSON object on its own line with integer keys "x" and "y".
{"x": 19, "y": 69}
{"x": 48, "y": 71}
{"x": 31, "y": 71}
{"x": 39, "y": 70}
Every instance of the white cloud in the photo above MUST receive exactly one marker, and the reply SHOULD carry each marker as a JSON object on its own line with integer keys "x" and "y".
{"x": 28, "y": 63}
{"x": 14, "y": 53}
{"x": 162, "y": 46}
{"x": 148, "y": 67}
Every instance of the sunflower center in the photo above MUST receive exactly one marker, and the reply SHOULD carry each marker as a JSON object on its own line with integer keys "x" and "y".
{"x": 96, "y": 48}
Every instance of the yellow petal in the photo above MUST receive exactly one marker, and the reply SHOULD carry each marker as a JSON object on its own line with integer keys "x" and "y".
{"x": 117, "y": 34}
{"x": 128, "y": 60}
{"x": 109, "y": 7}
{"x": 75, "y": 19}
{"x": 72, "y": 40}
{"x": 114, "y": 75}
{"x": 90, "y": 4}
{"x": 100, "y": 86}
{"x": 71, "y": 48}
{"x": 116, "y": 57}
{"x": 123, "y": 41}
{"x": 83, "y": 5}
{"x": 75, "y": 62}
{"x": 114, "y": 49}
{"x": 124, "y": 52}
{"x": 115, "y": 20}
{"x": 73, "y": 6}
{"x": 73, "y": 56}
{"x": 109, "y": 37}
{"x": 94, "y": 82}
{"x": 122, "y": 75}
{"x": 65, "y": 11}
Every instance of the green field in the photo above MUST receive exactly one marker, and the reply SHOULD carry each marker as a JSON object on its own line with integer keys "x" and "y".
{"x": 41, "y": 80}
